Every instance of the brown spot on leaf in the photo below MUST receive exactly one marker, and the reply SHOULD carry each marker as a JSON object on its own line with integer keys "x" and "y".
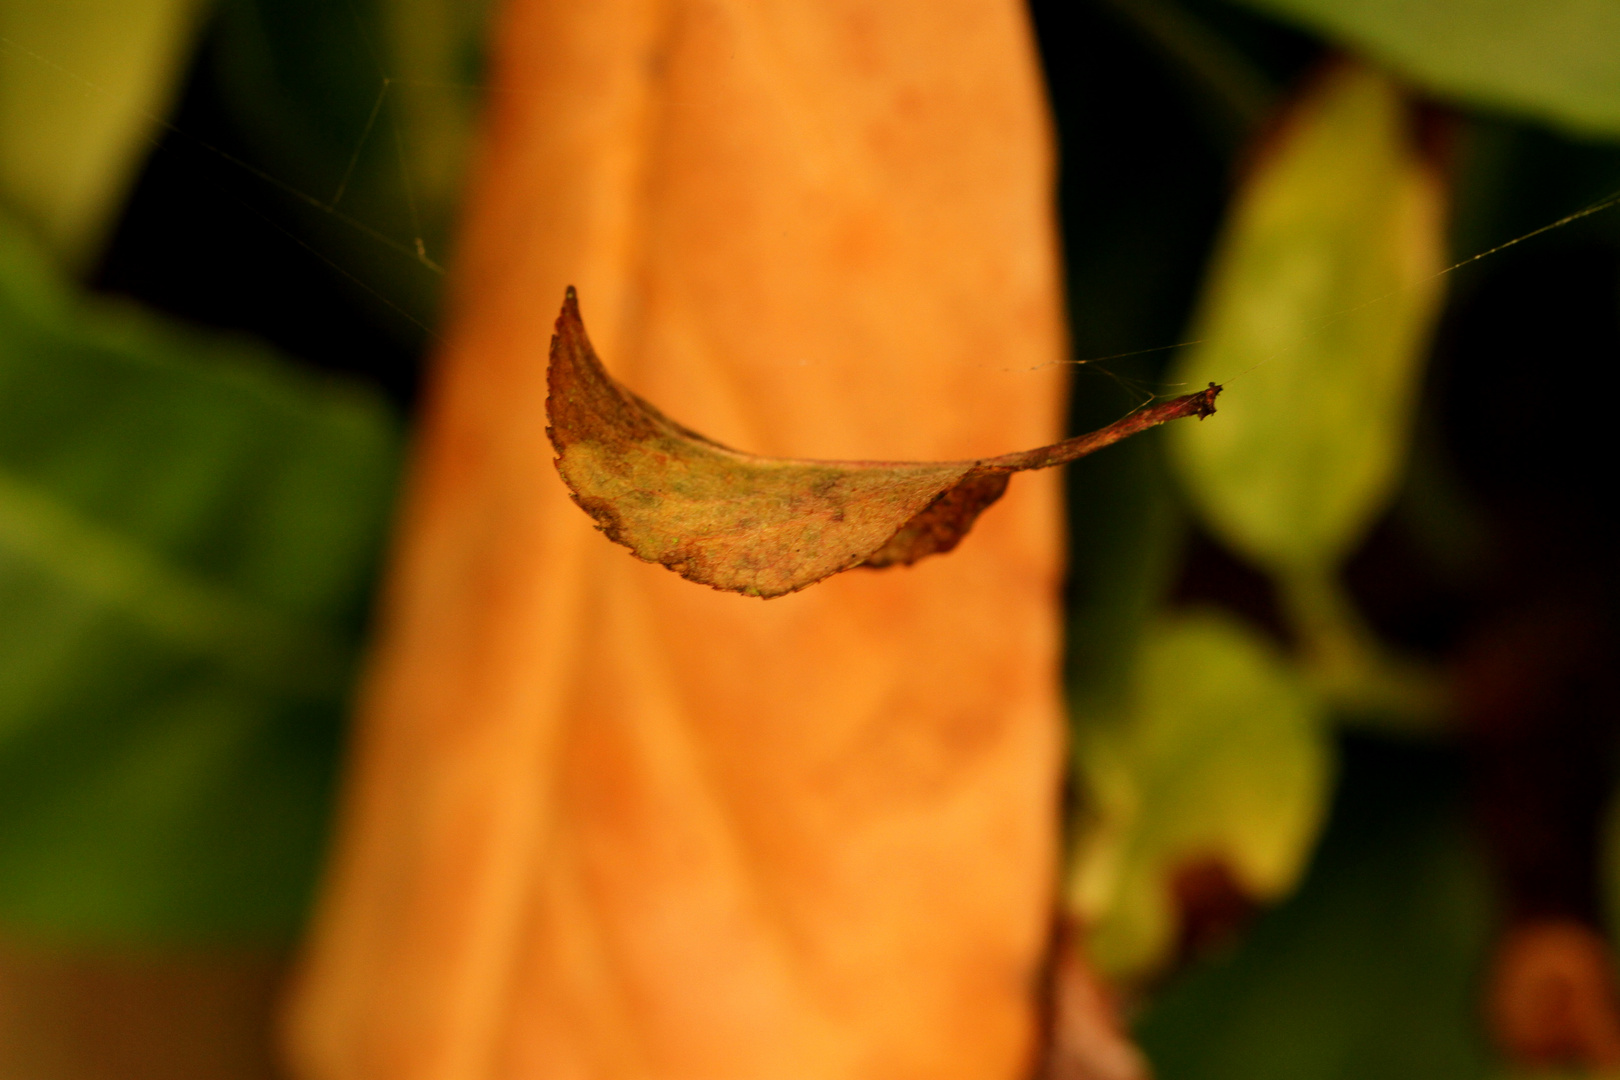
{"x": 767, "y": 526}
{"x": 1213, "y": 905}
{"x": 940, "y": 525}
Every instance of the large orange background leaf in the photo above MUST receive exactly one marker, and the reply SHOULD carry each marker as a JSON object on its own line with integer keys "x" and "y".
{"x": 601, "y": 823}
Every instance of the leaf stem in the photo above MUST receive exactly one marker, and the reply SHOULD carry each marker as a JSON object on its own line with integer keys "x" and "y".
{"x": 1361, "y": 678}
{"x": 1201, "y": 404}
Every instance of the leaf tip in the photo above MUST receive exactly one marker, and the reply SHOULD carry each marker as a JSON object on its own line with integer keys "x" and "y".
{"x": 568, "y": 316}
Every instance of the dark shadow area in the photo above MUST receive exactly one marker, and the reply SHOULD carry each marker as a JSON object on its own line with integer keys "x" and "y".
{"x": 207, "y": 236}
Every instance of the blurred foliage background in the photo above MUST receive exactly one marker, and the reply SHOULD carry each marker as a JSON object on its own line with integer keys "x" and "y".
{"x": 1340, "y": 660}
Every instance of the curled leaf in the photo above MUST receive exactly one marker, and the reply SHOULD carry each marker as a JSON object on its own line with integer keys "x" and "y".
{"x": 765, "y": 526}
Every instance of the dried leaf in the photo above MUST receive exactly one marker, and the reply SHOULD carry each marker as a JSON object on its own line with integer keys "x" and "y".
{"x": 767, "y": 526}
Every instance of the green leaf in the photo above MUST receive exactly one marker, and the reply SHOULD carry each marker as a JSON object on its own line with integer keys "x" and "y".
{"x": 81, "y": 83}
{"x": 188, "y": 532}
{"x": 1318, "y": 308}
{"x": 1552, "y": 60}
{"x": 1223, "y": 754}
{"x": 1373, "y": 968}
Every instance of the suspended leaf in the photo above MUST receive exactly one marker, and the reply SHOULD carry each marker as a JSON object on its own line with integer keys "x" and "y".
{"x": 1553, "y": 60}
{"x": 1319, "y": 304}
{"x": 769, "y": 526}
{"x": 1223, "y": 755}
{"x": 188, "y": 531}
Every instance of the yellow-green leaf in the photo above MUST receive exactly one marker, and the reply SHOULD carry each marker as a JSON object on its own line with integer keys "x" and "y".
{"x": 1318, "y": 306}
{"x": 1222, "y": 755}
{"x": 82, "y": 83}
